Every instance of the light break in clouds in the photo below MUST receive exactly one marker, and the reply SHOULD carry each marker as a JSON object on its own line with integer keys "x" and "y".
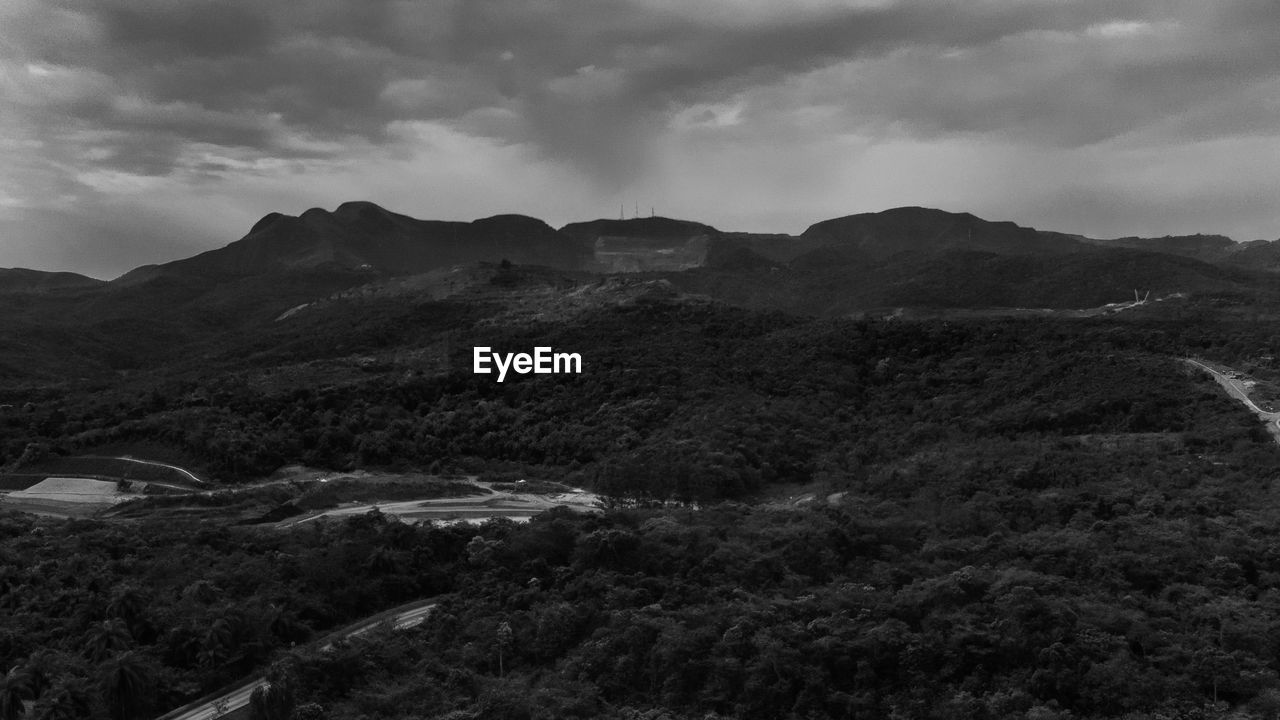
{"x": 137, "y": 131}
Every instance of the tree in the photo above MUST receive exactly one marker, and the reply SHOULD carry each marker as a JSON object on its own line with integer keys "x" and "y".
{"x": 14, "y": 689}
{"x": 221, "y": 639}
{"x": 276, "y": 697}
{"x": 126, "y": 684}
{"x": 505, "y": 642}
{"x": 66, "y": 700}
{"x": 308, "y": 711}
{"x": 128, "y": 604}
{"x": 106, "y": 638}
{"x": 202, "y": 591}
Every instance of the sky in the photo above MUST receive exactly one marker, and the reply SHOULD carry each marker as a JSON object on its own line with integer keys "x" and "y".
{"x": 143, "y": 131}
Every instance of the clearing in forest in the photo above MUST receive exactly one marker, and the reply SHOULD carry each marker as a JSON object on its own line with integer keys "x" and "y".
{"x": 65, "y": 496}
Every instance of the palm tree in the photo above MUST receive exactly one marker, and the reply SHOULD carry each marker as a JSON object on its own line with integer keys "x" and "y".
{"x": 15, "y": 688}
{"x": 215, "y": 649}
{"x": 106, "y": 638}
{"x": 127, "y": 604}
{"x": 126, "y": 684}
{"x": 130, "y": 605}
{"x": 37, "y": 673}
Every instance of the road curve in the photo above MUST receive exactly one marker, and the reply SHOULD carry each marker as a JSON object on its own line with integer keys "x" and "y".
{"x": 236, "y": 697}
{"x": 184, "y": 471}
{"x": 1236, "y": 390}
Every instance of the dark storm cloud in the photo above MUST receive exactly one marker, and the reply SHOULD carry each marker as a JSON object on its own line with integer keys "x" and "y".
{"x": 162, "y": 30}
{"x": 592, "y": 82}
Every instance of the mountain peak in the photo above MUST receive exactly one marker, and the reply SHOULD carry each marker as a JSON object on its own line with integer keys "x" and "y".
{"x": 355, "y": 210}
{"x": 918, "y": 229}
{"x": 652, "y": 227}
{"x": 267, "y": 221}
{"x": 511, "y": 223}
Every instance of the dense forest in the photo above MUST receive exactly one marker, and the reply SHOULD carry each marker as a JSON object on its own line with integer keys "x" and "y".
{"x": 987, "y": 518}
{"x": 677, "y": 400}
{"x": 1133, "y": 581}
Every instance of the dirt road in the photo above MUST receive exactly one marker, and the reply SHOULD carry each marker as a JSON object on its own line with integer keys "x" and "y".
{"x": 477, "y": 508}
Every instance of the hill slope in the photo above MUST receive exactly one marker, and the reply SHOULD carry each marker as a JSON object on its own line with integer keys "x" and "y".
{"x": 914, "y": 229}
{"x": 24, "y": 280}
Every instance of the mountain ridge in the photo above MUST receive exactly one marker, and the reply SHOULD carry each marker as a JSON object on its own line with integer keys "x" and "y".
{"x": 363, "y": 236}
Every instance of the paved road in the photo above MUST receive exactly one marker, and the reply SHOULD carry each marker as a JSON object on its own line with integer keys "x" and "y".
{"x": 402, "y": 621}
{"x": 1236, "y": 389}
{"x": 238, "y": 697}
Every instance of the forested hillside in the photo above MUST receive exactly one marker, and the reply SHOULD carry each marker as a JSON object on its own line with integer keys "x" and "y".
{"x": 1092, "y": 582}
{"x": 988, "y": 518}
{"x": 676, "y": 400}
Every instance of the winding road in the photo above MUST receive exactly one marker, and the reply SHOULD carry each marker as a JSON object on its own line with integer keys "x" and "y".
{"x": 184, "y": 471}
{"x": 1236, "y": 389}
{"x": 237, "y": 696}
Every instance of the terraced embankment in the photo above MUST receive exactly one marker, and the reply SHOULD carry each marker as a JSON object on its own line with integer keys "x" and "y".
{"x": 65, "y": 497}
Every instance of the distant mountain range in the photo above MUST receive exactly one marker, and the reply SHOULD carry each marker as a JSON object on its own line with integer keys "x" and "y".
{"x": 362, "y": 237}
{"x": 62, "y": 324}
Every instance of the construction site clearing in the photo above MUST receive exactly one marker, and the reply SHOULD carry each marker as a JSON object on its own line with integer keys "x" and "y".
{"x": 513, "y": 505}
{"x": 66, "y": 497}
{"x": 297, "y": 495}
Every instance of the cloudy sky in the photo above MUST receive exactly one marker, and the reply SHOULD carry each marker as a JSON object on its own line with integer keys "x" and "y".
{"x": 137, "y": 131}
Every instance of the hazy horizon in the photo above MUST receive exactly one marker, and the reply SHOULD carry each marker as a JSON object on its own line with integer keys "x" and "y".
{"x": 139, "y": 132}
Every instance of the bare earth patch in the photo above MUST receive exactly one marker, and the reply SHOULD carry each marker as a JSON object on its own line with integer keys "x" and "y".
{"x": 65, "y": 497}
{"x": 486, "y": 504}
